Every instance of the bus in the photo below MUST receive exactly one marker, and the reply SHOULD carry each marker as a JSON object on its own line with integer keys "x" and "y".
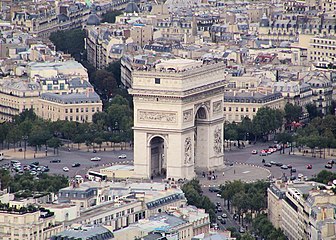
{"x": 96, "y": 176}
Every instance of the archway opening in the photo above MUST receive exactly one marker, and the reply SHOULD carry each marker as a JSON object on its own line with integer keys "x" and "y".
{"x": 158, "y": 158}
{"x": 201, "y": 139}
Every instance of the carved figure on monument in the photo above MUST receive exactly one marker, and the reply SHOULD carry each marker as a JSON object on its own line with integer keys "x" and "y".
{"x": 187, "y": 115}
{"x": 218, "y": 140}
{"x": 187, "y": 150}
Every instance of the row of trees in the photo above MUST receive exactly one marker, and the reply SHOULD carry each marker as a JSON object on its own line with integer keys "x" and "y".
{"x": 194, "y": 195}
{"x": 27, "y": 184}
{"x": 247, "y": 198}
{"x": 266, "y": 121}
{"x": 113, "y": 125}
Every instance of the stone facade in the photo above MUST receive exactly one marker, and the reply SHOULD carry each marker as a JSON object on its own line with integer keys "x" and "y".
{"x": 178, "y": 118}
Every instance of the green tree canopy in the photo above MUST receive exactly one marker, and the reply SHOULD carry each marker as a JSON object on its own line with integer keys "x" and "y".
{"x": 292, "y": 112}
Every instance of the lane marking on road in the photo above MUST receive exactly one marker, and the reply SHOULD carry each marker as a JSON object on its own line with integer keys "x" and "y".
{"x": 246, "y": 172}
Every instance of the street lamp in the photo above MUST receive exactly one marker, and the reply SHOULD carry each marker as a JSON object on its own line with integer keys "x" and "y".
{"x": 24, "y": 138}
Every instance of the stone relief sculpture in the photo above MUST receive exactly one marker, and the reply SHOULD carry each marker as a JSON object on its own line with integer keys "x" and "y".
{"x": 217, "y": 107}
{"x": 218, "y": 140}
{"x": 187, "y": 115}
{"x": 157, "y": 116}
{"x": 187, "y": 150}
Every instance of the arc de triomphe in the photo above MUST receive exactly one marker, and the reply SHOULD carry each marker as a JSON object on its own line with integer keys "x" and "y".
{"x": 178, "y": 118}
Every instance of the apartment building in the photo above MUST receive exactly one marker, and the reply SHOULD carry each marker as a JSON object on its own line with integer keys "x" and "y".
{"x": 238, "y": 105}
{"x": 16, "y": 95}
{"x": 302, "y": 210}
{"x": 79, "y": 107}
{"x": 28, "y": 224}
{"x": 322, "y": 49}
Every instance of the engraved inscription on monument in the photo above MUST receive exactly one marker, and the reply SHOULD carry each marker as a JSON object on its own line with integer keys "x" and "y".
{"x": 157, "y": 116}
{"x": 188, "y": 115}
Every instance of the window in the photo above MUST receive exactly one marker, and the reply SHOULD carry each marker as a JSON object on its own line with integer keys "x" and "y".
{"x": 157, "y": 80}
{"x": 66, "y": 110}
{"x": 70, "y": 110}
{"x": 62, "y": 86}
{"x": 77, "y": 110}
{"x": 254, "y": 110}
{"x": 49, "y": 86}
{"x": 93, "y": 109}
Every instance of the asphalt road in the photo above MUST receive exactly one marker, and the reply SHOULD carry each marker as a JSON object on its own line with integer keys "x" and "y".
{"x": 74, "y": 156}
{"x": 297, "y": 161}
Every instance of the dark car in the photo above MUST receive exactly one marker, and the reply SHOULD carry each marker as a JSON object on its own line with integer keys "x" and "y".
{"x": 76, "y": 164}
{"x": 278, "y": 164}
{"x": 309, "y": 166}
{"x": 293, "y": 170}
{"x": 214, "y": 189}
{"x": 268, "y": 165}
{"x": 329, "y": 166}
{"x": 223, "y": 221}
{"x": 219, "y": 209}
{"x": 55, "y": 161}
{"x": 35, "y": 163}
{"x": 292, "y": 178}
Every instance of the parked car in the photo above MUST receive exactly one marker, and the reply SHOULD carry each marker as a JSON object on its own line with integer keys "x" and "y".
{"x": 293, "y": 170}
{"x": 219, "y": 209}
{"x": 272, "y": 162}
{"x": 284, "y": 167}
{"x": 329, "y": 166}
{"x": 35, "y": 163}
{"x": 289, "y": 166}
{"x": 279, "y": 164}
{"x": 76, "y": 164}
{"x": 218, "y": 204}
{"x": 309, "y": 166}
{"x": 223, "y": 221}
{"x": 224, "y": 215}
{"x": 122, "y": 156}
{"x": 292, "y": 178}
{"x": 263, "y": 153}
{"x": 94, "y": 151}
{"x": 254, "y": 152}
{"x": 55, "y": 161}
{"x": 219, "y": 218}
{"x": 66, "y": 169}
{"x": 95, "y": 159}
{"x": 241, "y": 230}
{"x": 268, "y": 165}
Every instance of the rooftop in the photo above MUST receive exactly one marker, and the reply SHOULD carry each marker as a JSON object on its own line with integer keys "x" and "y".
{"x": 72, "y": 98}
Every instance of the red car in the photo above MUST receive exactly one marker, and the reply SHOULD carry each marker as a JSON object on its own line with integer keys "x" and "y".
{"x": 309, "y": 166}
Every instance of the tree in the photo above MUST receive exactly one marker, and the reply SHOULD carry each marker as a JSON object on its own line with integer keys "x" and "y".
{"x": 284, "y": 138}
{"x": 110, "y": 16}
{"x": 325, "y": 177}
{"x": 292, "y": 112}
{"x": 105, "y": 82}
{"x": 312, "y": 111}
{"x": 54, "y": 143}
{"x": 70, "y": 41}
{"x": 247, "y": 236}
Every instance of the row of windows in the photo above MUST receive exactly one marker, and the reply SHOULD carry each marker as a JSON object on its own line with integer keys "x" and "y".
{"x": 323, "y": 41}
{"x": 324, "y": 47}
{"x": 322, "y": 53}
{"x": 78, "y": 118}
{"x": 241, "y": 109}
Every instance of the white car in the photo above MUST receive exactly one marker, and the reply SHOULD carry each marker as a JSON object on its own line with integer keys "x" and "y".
{"x": 254, "y": 152}
{"x": 65, "y": 169}
{"x": 122, "y": 156}
{"x": 95, "y": 159}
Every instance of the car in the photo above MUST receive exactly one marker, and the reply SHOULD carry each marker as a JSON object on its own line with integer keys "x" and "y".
{"x": 35, "y": 163}
{"x": 94, "y": 151}
{"x": 219, "y": 195}
{"x": 55, "y": 161}
{"x": 224, "y": 215}
{"x": 289, "y": 166}
{"x": 300, "y": 175}
{"x": 44, "y": 169}
{"x": 331, "y": 162}
{"x": 309, "y": 166}
{"x": 254, "y": 152}
{"x": 214, "y": 189}
{"x": 66, "y": 169}
{"x": 219, "y": 209}
{"x": 284, "y": 167}
{"x": 293, "y": 170}
{"x": 263, "y": 153}
{"x": 13, "y": 162}
{"x": 223, "y": 221}
{"x": 122, "y": 156}
{"x": 272, "y": 162}
{"x": 75, "y": 164}
{"x": 242, "y": 230}
{"x": 292, "y": 178}
{"x": 95, "y": 159}
{"x": 279, "y": 164}
{"x": 218, "y": 204}
{"x": 268, "y": 165}
{"x": 329, "y": 166}
{"x": 219, "y": 218}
